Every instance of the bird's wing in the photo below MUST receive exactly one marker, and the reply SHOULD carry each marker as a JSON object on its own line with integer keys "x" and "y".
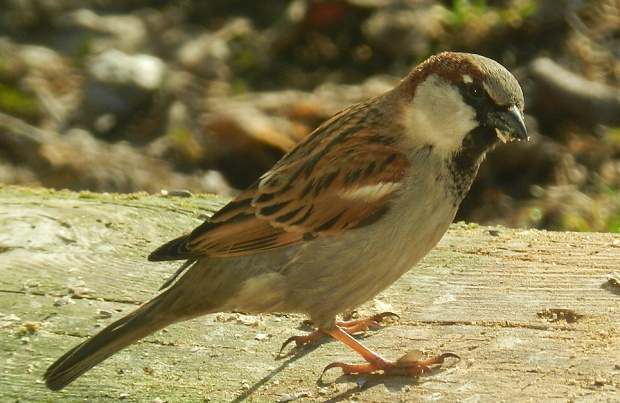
{"x": 339, "y": 178}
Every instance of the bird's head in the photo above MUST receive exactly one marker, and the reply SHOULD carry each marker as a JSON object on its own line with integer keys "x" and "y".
{"x": 463, "y": 101}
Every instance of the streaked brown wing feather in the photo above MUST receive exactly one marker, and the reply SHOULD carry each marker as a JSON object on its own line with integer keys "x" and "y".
{"x": 333, "y": 181}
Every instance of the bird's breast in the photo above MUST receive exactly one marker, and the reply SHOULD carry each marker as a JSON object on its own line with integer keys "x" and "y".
{"x": 336, "y": 274}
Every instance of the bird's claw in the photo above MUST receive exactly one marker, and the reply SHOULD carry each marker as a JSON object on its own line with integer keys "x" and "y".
{"x": 361, "y": 325}
{"x": 303, "y": 340}
{"x": 380, "y": 316}
{"x": 351, "y": 327}
{"x": 403, "y": 366}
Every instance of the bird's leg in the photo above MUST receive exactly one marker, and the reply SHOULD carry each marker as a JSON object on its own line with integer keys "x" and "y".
{"x": 350, "y": 327}
{"x": 406, "y": 365}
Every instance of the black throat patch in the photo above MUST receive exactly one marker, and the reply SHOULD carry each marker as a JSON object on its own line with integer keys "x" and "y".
{"x": 464, "y": 164}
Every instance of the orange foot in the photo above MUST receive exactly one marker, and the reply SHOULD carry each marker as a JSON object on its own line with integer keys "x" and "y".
{"x": 409, "y": 364}
{"x": 350, "y": 327}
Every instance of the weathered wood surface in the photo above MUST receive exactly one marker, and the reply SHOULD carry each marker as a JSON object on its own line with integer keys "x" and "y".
{"x": 493, "y": 295}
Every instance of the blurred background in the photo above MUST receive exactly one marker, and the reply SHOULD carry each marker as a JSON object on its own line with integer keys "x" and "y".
{"x": 137, "y": 95}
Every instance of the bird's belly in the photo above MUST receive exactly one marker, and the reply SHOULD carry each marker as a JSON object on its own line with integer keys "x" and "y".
{"x": 341, "y": 274}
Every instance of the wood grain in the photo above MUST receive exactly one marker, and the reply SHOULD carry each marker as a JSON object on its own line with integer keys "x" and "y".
{"x": 530, "y": 312}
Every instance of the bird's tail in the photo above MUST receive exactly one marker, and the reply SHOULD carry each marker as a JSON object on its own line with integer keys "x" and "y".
{"x": 118, "y": 335}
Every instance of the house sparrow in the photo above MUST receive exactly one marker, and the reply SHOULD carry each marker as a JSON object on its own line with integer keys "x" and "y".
{"x": 339, "y": 218}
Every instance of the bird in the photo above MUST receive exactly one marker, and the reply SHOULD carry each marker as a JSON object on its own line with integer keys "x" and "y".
{"x": 339, "y": 218}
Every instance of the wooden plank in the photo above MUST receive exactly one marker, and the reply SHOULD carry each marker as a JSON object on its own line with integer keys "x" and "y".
{"x": 530, "y": 312}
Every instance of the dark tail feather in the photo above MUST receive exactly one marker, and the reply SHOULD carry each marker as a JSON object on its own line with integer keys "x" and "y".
{"x": 120, "y": 334}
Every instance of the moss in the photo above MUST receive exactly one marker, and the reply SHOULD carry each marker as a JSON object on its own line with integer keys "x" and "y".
{"x": 184, "y": 143}
{"x": 18, "y": 103}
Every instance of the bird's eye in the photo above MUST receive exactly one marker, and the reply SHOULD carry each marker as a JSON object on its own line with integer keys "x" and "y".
{"x": 475, "y": 90}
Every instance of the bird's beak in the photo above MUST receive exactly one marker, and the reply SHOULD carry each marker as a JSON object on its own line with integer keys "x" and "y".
{"x": 509, "y": 124}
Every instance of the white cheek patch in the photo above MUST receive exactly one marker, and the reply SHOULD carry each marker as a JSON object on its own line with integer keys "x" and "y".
{"x": 438, "y": 115}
